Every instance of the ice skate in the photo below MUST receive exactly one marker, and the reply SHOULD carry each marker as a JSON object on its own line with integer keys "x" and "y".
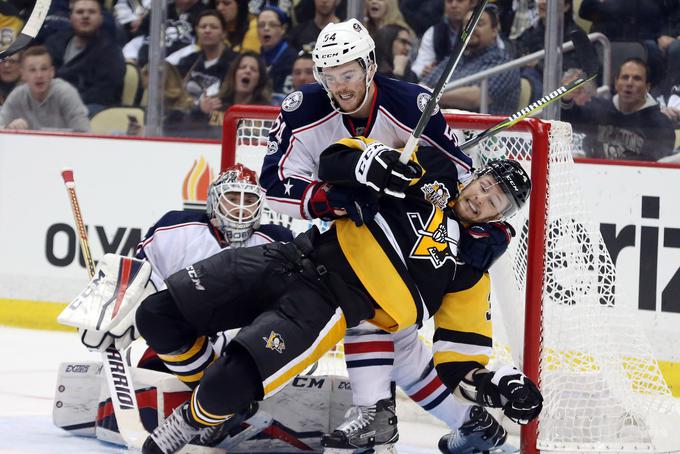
{"x": 172, "y": 435}
{"x": 365, "y": 427}
{"x": 481, "y": 434}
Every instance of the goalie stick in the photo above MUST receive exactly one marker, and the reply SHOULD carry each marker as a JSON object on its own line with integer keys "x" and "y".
{"x": 30, "y": 30}
{"x": 438, "y": 91}
{"x": 118, "y": 376}
{"x": 587, "y": 57}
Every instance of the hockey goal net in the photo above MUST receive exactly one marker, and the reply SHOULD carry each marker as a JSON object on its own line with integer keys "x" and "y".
{"x": 603, "y": 389}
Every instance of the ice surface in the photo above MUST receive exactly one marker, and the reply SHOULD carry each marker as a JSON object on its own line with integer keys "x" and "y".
{"x": 28, "y": 376}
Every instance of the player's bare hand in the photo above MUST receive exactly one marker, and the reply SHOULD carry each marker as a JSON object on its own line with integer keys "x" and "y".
{"x": 19, "y": 123}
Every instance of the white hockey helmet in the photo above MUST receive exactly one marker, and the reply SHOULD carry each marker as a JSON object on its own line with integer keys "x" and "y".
{"x": 342, "y": 43}
{"x": 235, "y": 203}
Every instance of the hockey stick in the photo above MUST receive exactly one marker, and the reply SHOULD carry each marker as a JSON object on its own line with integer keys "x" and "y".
{"x": 438, "y": 91}
{"x": 588, "y": 59}
{"x": 30, "y": 30}
{"x": 118, "y": 377}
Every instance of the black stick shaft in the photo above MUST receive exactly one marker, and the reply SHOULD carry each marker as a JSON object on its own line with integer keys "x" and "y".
{"x": 456, "y": 53}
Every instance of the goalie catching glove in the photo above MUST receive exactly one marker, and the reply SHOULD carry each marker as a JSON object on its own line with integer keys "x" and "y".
{"x": 379, "y": 169}
{"x": 506, "y": 388}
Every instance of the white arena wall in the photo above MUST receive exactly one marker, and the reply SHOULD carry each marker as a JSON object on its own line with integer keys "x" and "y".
{"x": 125, "y": 185}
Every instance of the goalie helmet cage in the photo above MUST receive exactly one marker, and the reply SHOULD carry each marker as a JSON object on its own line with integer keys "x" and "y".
{"x": 602, "y": 387}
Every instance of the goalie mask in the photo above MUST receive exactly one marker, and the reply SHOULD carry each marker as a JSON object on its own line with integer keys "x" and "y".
{"x": 343, "y": 43}
{"x": 235, "y": 203}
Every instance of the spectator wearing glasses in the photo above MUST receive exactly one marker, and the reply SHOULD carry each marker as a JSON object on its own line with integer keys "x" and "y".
{"x": 43, "y": 102}
{"x": 10, "y": 72}
{"x": 393, "y": 44}
{"x": 482, "y": 53}
{"x": 276, "y": 52}
{"x": 304, "y": 35}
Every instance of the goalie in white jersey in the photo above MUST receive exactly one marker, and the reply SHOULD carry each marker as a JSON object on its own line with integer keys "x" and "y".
{"x": 232, "y": 219}
{"x": 352, "y": 100}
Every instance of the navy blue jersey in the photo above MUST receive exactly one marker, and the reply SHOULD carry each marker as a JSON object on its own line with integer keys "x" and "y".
{"x": 308, "y": 124}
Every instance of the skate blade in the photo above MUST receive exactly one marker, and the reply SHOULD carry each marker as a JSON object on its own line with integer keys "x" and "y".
{"x": 505, "y": 449}
{"x": 196, "y": 449}
{"x": 380, "y": 449}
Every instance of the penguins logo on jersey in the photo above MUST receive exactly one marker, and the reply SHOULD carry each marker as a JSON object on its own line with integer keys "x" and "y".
{"x": 437, "y": 194}
{"x": 275, "y": 342}
{"x": 422, "y": 100}
{"x": 437, "y": 238}
{"x": 292, "y": 101}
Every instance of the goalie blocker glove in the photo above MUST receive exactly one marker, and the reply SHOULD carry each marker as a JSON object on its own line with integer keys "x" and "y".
{"x": 506, "y": 388}
{"x": 379, "y": 169}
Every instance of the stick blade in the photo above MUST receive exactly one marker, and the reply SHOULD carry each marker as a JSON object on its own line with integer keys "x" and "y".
{"x": 585, "y": 52}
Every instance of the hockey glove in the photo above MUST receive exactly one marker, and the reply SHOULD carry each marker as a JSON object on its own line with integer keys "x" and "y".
{"x": 379, "y": 169}
{"x": 330, "y": 202}
{"x": 506, "y": 388}
{"x": 480, "y": 245}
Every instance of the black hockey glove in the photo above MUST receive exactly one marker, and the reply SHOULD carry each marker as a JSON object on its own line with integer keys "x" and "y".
{"x": 379, "y": 169}
{"x": 506, "y": 388}
{"x": 480, "y": 245}
{"x": 330, "y": 202}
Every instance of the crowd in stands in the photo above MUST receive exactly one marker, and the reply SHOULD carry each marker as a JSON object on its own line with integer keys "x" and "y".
{"x": 225, "y": 52}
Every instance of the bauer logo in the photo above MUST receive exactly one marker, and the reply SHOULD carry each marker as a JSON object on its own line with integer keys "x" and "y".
{"x": 275, "y": 342}
{"x": 292, "y": 101}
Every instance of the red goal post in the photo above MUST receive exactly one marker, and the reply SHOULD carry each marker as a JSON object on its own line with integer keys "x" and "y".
{"x": 558, "y": 264}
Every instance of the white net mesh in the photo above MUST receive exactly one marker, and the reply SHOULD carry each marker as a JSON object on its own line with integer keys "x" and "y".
{"x": 603, "y": 390}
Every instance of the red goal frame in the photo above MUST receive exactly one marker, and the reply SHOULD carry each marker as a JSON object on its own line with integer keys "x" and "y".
{"x": 540, "y": 132}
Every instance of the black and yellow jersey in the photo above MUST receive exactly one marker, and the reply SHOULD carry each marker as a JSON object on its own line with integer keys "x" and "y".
{"x": 406, "y": 260}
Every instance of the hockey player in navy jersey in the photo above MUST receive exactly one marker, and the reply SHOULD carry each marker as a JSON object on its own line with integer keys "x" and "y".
{"x": 295, "y": 300}
{"x": 349, "y": 100}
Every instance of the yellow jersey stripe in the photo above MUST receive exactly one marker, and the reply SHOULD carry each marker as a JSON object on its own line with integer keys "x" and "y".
{"x": 455, "y": 357}
{"x": 332, "y": 333}
{"x": 196, "y": 348}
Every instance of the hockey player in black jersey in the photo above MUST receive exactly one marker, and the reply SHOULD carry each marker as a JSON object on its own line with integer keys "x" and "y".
{"x": 351, "y": 99}
{"x": 295, "y": 300}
